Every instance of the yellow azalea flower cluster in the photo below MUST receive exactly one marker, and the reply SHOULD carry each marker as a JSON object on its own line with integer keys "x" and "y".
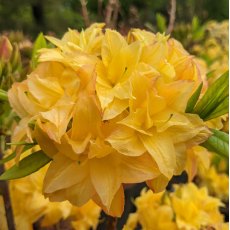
{"x": 109, "y": 110}
{"x": 29, "y": 206}
{"x": 187, "y": 208}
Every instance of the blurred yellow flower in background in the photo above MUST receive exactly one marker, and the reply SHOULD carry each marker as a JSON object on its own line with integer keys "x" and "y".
{"x": 186, "y": 208}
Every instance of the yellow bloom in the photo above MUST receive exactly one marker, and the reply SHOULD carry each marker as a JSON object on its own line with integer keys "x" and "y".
{"x": 194, "y": 208}
{"x": 217, "y": 183}
{"x": 152, "y": 213}
{"x": 188, "y": 207}
{"x": 109, "y": 110}
{"x": 88, "y": 41}
{"x": 215, "y": 49}
{"x": 113, "y": 83}
{"x": 85, "y": 217}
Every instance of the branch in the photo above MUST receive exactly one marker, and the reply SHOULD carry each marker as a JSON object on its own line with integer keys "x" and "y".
{"x": 4, "y": 191}
{"x": 85, "y": 14}
{"x": 111, "y": 223}
{"x": 111, "y": 13}
{"x": 99, "y": 7}
{"x": 172, "y": 17}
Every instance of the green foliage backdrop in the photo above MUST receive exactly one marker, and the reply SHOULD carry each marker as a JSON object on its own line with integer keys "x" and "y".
{"x": 33, "y": 16}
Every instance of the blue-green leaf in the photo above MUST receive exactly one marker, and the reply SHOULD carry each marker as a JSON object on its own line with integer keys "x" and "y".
{"x": 214, "y": 102}
{"x": 193, "y": 99}
{"x": 26, "y": 166}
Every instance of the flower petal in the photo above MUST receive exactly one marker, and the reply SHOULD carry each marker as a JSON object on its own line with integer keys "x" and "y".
{"x": 161, "y": 148}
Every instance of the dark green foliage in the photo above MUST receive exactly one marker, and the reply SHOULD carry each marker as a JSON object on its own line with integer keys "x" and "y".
{"x": 55, "y": 16}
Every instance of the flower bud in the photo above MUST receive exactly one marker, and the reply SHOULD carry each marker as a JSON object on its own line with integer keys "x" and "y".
{"x": 5, "y": 49}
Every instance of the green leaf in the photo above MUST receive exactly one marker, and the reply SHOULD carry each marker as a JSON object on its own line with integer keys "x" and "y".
{"x": 195, "y": 23}
{"x": 221, "y": 109}
{"x": 193, "y": 99}
{"x": 13, "y": 155}
{"x": 3, "y": 95}
{"x": 222, "y": 135}
{"x": 39, "y": 43}
{"x": 8, "y": 158}
{"x": 214, "y": 102}
{"x": 21, "y": 143}
{"x": 161, "y": 22}
{"x": 218, "y": 143}
{"x": 26, "y": 166}
{"x": 210, "y": 74}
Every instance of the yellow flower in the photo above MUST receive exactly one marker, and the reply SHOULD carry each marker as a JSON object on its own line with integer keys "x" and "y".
{"x": 188, "y": 207}
{"x": 119, "y": 59}
{"x": 88, "y": 41}
{"x": 85, "y": 217}
{"x": 109, "y": 110}
{"x": 217, "y": 183}
{"x": 194, "y": 208}
{"x": 152, "y": 213}
{"x": 215, "y": 49}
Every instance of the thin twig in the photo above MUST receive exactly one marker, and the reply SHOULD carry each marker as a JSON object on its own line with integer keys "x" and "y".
{"x": 85, "y": 14}
{"x": 111, "y": 223}
{"x": 99, "y": 8}
{"x": 172, "y": 16}
{"x": 115, "y": 13}
{"x": 4, "y": 191}
{"x": 111, "y": 13}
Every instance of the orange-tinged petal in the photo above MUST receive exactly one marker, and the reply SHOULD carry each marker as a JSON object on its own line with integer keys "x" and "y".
{"x": 44, "y": 141}
{"x": 112, "y": 43}
{"x": 138, "y": 169}
{"x": 59, "y": 116}
{"x": 115, "y": 108}
{"x": 136, "y": 121}
{"x": 77, "y": 194}
{"x": 117, "y": 205}
{"x": 144, "y": 36}
{"x": 156, "y": 52}
{"x": 126, "y": 141}
{"x": 162, "y": 150}
{"x": 158, "y": 184}
{"x": 105, "y": 180}
{"x": 176, "y": 93}
{"x": 86, "y": 118}
{"x": 98, "y": 148}
{"x": 45, "y": 90}
{"x": 181, "y": 158}
{"x": 60, "y": 173}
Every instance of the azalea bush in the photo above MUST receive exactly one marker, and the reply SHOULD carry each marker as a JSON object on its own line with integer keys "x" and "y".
{"x": 100, "y": 112}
